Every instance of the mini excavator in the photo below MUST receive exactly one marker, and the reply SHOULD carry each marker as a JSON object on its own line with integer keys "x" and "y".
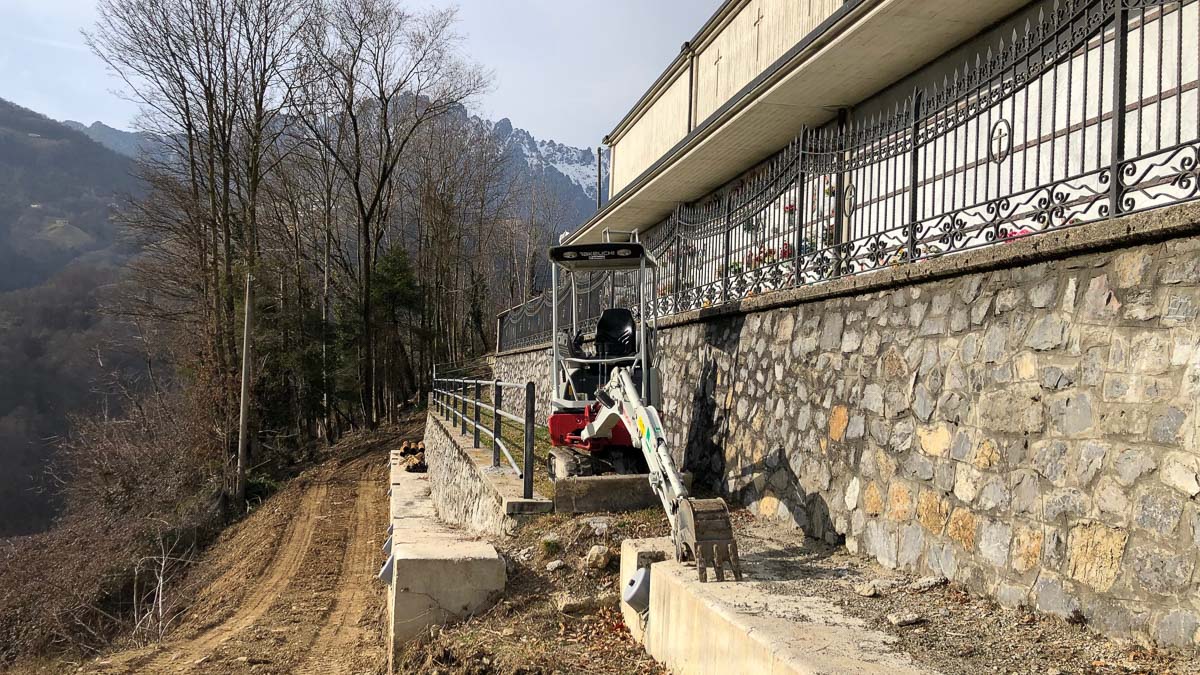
{"x": 604, "y": 418}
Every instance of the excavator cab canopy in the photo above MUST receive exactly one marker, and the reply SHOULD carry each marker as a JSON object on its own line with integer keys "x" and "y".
{"x": 586, "y": 349}
{"x": 602, "y": 257}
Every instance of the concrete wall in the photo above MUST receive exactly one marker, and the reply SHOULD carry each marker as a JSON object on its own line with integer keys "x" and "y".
{"x": 1022, "y": 419}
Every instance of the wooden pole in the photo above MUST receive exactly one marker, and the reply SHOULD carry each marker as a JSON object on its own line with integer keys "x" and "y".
{"x": 243, "y": 457}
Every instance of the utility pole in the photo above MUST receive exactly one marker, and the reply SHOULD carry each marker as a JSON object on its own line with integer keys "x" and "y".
{"x": 243, "y": 457}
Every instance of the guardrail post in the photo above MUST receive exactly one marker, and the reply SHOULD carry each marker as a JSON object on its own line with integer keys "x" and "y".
{"x": 475, "y": 417}
{"x": 497, "y": 401}
{"x": 463, "y": 419}
{"x": 527, "y": 469}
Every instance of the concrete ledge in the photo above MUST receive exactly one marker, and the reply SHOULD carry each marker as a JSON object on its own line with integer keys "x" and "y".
{"x": 591, "y": 494}
{"x": 467, "y": 490}
{"x": 765, "y": 624}
{"x": 439, "y": 574}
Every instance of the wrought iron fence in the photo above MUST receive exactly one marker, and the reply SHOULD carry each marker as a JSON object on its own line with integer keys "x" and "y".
{"x": 1087, "y": 111}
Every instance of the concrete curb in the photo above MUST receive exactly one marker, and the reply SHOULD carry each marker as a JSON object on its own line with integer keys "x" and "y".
{"x": 764, "y": 624}
{"x": 439, "y": 574}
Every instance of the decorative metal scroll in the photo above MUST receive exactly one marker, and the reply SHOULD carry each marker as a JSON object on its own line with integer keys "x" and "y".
{"x": 1087, "y": 112}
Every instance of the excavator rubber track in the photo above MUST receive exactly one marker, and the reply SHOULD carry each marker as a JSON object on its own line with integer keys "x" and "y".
{"x": 706, "y": 534}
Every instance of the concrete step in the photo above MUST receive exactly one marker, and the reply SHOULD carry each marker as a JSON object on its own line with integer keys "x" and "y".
{"x": 764, "y": 624}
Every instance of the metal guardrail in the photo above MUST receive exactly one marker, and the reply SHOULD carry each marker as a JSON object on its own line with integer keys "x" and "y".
{"x": 463, "y": 400}
{"x": 1081, "y": 111}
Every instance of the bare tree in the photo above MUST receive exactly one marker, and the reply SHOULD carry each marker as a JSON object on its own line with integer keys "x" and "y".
{"x": 383, "y": 73}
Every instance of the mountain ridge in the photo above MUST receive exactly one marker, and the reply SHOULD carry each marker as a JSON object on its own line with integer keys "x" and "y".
{"x": 568, "y": 172}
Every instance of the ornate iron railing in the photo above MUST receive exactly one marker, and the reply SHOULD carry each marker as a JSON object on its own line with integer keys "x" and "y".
{"x": 1087, "y": 111}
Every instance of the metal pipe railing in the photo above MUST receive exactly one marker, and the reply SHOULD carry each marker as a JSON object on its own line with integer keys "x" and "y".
{"x": 453, "y": 397}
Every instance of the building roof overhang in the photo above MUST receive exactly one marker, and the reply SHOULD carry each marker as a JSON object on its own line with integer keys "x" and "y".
{"x": 862, "y": 49}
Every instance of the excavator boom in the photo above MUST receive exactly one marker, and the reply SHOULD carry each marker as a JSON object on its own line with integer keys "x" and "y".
{"x": 700, "y": 528}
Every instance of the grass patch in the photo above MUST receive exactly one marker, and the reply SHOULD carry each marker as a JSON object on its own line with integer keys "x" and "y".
{"x": 513, "y": 435}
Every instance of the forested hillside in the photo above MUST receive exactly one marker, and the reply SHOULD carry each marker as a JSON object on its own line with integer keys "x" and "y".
{"x": 325, "y": 219}
{"x": 59, "y": 254}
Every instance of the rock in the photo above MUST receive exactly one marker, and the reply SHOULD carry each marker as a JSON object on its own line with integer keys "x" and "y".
{"x": 867, "y": 589}
{"x": 934, "y": 441}
{"x": 1182, "y": 472}
{"x": 1177, "y": 628}
{"x": 927, "y": 583}
{"x": 1158, "y": 510}
{"x": 838, "y": 421}
{"x": 994, "y": 540}
{"x": 1042, "y": 295}
{"x": 1098, "y": 301}
{"x": 1130, "y": 268}
{"x": 1094, "y": 554}
{"x": 571, "y": 603}
{"x": 1072, "y": 415}
{"x": 852, "y": 490}
{"x": 1053, "y": 597}
{"x": 872, "y": 499}
{"x": 1165, "y": 427}
{"x": 831, "y": 331}
{"x": 1069, "y": 502}
{"x": 1027, "y": 549}
{"x": 912, "y": 544}
{"x": 1048, "y": 332}
{"x": 872, "y": 399}
{"x": 932, "y": 511}
{"x": 1132, "y": 465}
{"x": 1055, "y": 378}
{"x": 1091, "y": 459}
{"x": 1050, "y": 460}
{"x": 555, "y": 565}
{"x": 597, "y": 557}
{"x": 900, "y": 619}
{"x": 1110, "y": 498}
{"x": 1159, "y": 570}
{"x": 600, "y": 525}
{"x": 1014, "y": 409}
{"x": 962, "y": 528}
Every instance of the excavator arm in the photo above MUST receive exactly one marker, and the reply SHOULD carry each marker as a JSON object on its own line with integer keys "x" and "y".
{"x": 700, "y": 528}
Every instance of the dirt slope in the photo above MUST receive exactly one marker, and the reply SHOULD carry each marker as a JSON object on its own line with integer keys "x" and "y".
{"x": 292, "y": 588}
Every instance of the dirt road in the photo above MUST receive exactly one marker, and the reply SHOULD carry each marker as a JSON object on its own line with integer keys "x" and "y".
{"x": 292, "y": 588}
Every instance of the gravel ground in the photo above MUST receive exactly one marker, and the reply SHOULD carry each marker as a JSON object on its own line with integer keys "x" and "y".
{"x": 954, "y": 634}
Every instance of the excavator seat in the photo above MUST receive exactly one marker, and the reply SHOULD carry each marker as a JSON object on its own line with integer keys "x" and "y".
{"x": 616, "y": 334}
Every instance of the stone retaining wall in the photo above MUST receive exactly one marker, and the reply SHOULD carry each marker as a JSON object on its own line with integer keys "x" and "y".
{"x": 525, "y": 365}
{"x": 1028, "y": 430}
{"x": 460, "y": 492}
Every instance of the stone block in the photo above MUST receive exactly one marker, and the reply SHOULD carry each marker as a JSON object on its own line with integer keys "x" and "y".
{"x": 1014, "y": 409}
{"x": 1158, "y": 510}
{"x": 962, "y": 528}
{"x": 1026, "y": 548}
{"x": 1177, "y": 628}
{"x": 1094, "y": 554}
{"x": 1054, "y": 596}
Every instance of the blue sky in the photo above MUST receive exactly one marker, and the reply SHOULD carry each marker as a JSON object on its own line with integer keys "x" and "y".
{"x": 564, "y": 69}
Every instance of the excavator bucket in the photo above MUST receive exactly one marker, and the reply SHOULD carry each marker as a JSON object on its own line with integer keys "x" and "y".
{"x": 706, "y": 534}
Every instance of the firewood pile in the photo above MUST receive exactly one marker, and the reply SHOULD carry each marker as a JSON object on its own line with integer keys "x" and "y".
{"x": 413, "y": 457}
